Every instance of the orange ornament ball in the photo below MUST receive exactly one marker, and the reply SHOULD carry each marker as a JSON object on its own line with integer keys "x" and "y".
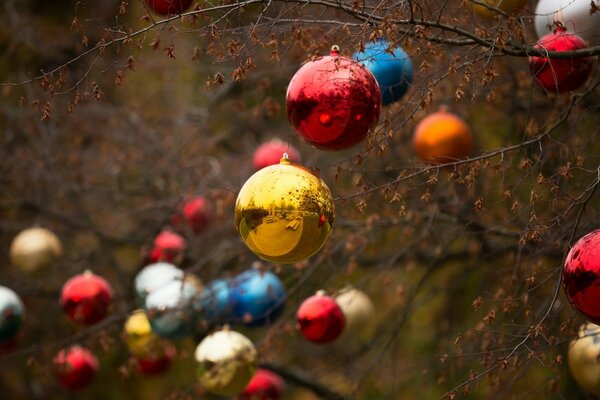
{"x": 442, "y": 137}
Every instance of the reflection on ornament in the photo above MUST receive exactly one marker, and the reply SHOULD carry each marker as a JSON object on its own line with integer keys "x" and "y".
{"x": 359, "y": 312}
{"x": 155, "y": 365}
{"x": 332, "y": 102}
{"x": 270, "y": 153}
{"x": 574, "y": 15}
{"x": 86, "y": 298}
{"x": 265, "y": 385}
{"x": 12, "y": 315}
{"x": 581, "y": 276}
{"x": 320, "y": 319}
{"x": 216, "y": 303}
{"x": 392, "y": 68}
{"x": 153, "y": 277}
{"x": 195, "y": 214}
{"x": 561, "y": 75}
{"x": 227, "y": 362}
{"x": 35, "y": 248}
{"x": 442, "y": 137}
{"x": 507, "y": 6}
{"x": 169, "y": 247}
{"x": 258, "y": 297}
{"x": 75, "y": 367}
{"x": 284, "y": 213}
{"x": 168, "y": 7}
{"x": 584, "y": 358}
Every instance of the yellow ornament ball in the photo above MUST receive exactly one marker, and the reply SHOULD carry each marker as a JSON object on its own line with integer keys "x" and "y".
{"x": 35, "y": 248}
{"x": 227, "y": 362}
{"x": 140, "y": 339}
{"x": 284, "y": 213}
{"x": 504, "y": 5}
{"x": 584, "y": 358}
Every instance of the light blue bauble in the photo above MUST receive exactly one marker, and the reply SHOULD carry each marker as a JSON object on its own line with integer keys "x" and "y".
{"x": 393, "y": 72}
{"x": 258, "y": 297}
{"x": 12, "y": 314}
{"x": 153, "y": 277}
{"x": 216, "y": 302}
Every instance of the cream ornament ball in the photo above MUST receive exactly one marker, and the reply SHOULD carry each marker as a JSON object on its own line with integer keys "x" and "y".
{"x": 359, "y": 311}
{"x": 35, "y": 248}
{"x": 584, "y": 358}
{"x": 573, "y": 14}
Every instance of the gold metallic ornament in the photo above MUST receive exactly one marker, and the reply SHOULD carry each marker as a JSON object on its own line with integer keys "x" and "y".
{"x": 284, "y": 213}
{"x": 35, "y": 248}
{"x": 227, "y": 362}
{"x": 584, "y": 358}
{"x": 140, "y": 339}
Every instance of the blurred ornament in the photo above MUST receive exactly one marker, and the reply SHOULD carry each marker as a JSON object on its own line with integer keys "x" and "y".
{"x": 359, "y": 312}
{"x": 171, "y": 308}
{"x": 155, "y": 365}
{"x": 169, "y": 7}
{"x": 507, "y": 6}
{"x": 561, "y": 75}
{"x": 269, "y": 153}
{"x": 284, "y": 213}
{"x": 12, "y": 315}
{"x": 332, "y": 102}
{"x": 86, "y": 298}
{"x": 153, "y": 277}
{"x": 320, "y": 319}
{"x": 442, "y": 137}
{"x": 216, "y": 302}
{"x": 581, "y": 276}
{"x": 584, "y": 358}
{"x": 169, "y": 247}
{"x": 139, "y": 338}
{"x": 265, "y": 385}
{"x": 75, "y": 367}
{"x": 35, "y": 248}
{"x": 196, "y": 213}
{"x": 575, "y": 15}
{"x": 258, "y": 297}
{"x": 392, "y": 68}
{"x": 227, "y": 362}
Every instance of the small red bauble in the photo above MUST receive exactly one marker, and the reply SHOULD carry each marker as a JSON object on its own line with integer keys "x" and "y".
{"x": 264, "y": 385}
{"x": 168, "y": 247}
{"x": 270, "y": 153}
{"x": 86, "y": 298}
{"x": 195, "y": 213}
{"x": 168, "y": 7}
{"x": 332, "y": 102}
{"x": 156, "y": 365}
{"x": 561, "y": 75}
{"x": 75, "y": 367}
{"x": 581, "y": 276}
{"x": 320, "y": 319}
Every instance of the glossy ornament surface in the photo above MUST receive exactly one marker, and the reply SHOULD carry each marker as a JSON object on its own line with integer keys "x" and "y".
{"x": 154, "y": 365}
{"x": 507, "y": 6}
{"x": 320, "y": 319}
{"x": 574, "y": 15}
{"x": 284, "y": 213}
{"x": 442, "y": 137}
{"x": 581, "y": 276}
{"x": 12, "y": 315}
{"x": 359, "y": 312}
{"x": 227, "y": 362}
{"x": 168, "y": 7}
{"x": 332, "y": 102}
{"x": 140, "y": 339}
{"x": 584, "y": 358}
{"x": 216, "y": 301}
{"x": 35, "y": 248}
{"x": 258, "y": 297}
{"x": 75, "y": 367}
{"x": 265, "y": 385}
{"x": 168, "y": 247}
{"x": 86, "y": 298}
{"x": 393, "y": 69}
{"x": 269, "y": 153}
{"x": 153, "y": 277}
{"x": 196, "y": 214}
{"x": 561, "y": 75}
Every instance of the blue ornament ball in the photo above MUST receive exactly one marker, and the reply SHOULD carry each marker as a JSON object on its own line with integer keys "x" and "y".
{"x": 12, "y": 314}
{"x": 216, "y": 302}
{"x": 393, "y": 72}
{"x": 258, "y": 297}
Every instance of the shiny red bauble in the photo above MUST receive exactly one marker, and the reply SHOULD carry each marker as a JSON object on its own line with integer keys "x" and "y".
{"x": 156, "y": 365}
{"x": 581, "y": 276}
{"x": 320, "y": 319}
{"x": 168, "y": 247}
{"x": 264, "y": 385}
{"x": 332, "y": 102}
{"x": 561, "y": 75}
{"x": 168, "y": 7}
{"x": 86, "y": 298}
{"x": 195, "y": 214}
{"x": 75, "y": 367}
{"x": 270, "y": 153}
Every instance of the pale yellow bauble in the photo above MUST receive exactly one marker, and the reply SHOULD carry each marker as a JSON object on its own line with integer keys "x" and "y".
{"x": 35, "y": 248}
{"x": 504, "y": 5}
{"x": 584, "y": 358}
{"x": 140, "y": 339}
{"x": 227, "y": 362}
{"x": 359, "y": 311}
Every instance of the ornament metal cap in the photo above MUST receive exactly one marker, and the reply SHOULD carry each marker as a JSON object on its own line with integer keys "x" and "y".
{"x": 335, "y": 50}
{"x": 320, "y": 293}
{"x": 285, "y": 159}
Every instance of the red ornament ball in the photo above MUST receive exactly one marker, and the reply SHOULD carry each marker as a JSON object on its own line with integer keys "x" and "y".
{"x": 86, "y": 298}
{"x": 561, "y": 75}
{"x": 168, "y": 7}
{"x": 270, "y": 153}
{"x": 332, "y": 102}
{"x": 156, "y": 365}
{"x": 196, "y": 213}
{"x": 264, "y": 385}
{"x": 168, "y": 246}
{"x": 75, "y": 367}
{"x": 581, "y": 276}
{"x": 320, "y": 319}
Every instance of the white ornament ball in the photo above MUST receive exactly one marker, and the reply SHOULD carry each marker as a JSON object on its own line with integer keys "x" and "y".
{"x": 359, "y": 311}
{"x": 573, "y": 14}
{"x": 584, "y": 358}
{"x": 153, "y": 277}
